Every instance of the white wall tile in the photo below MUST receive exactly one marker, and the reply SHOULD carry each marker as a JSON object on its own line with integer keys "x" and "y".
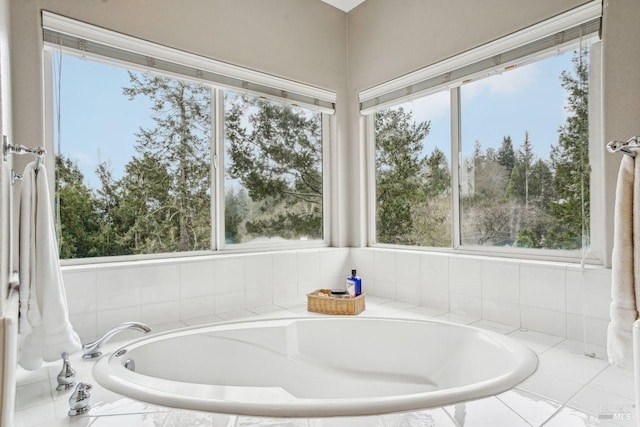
{"x": 465, "y": 276}
{"x": 305, "y": 288}
{"x": 362, "y": 260}
{"x": 408, "y": 267}
{"x": 464, "y": 305}
{"x": 334, "y": 262}
{"x": 434, "y": 299}
{"x": 596, "y": 329}
{"x": 284, "y": 293}
{"x": 336, "y": 282}
{"x": 197, "y": 307}
{"x": 258, "y": 271}
{"x": 163, "y": 312}
{"x": 229, "y": 274}
{"x": 385, "y": 289}
{"x": 196, "y": 279}
{"x": 229, "y": 301}
{"x": 501, "y": 281}
{"x": 543, "y": 286}
{"x": 384, "y": 265}
{"x": 501, "y": 312}
{"x": 258, "y": 297}
{"x": 118, "y": 287}
{"x": 589, "y": 294}
{"x": 160, "y": 283}
{"x": 309, "y": 267}
{"x": 434, "y": 272}
{"x": 107, "y": 319}
{"x": 285, "y": 269}
{"x": 81, "y": 290}
{"x": 85, "y": 325}
{"x": 542, "y": 320}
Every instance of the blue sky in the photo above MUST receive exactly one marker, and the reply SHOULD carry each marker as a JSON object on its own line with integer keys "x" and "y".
{"x": 99, "y": 123}
{"x": 529, "y": 98}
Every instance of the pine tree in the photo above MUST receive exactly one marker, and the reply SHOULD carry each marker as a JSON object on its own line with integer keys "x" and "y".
{"x": 276, "y": 154}
{"x": 569, "y": 161}
{"x": 506, "y": 154}
{"x": 179, "y": 145}
{"x": 399, "y": 162}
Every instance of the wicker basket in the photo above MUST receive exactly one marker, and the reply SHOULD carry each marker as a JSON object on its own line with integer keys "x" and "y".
{"x": 332, "y": 305}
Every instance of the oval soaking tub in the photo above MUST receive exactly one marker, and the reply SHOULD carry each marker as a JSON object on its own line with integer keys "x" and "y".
{"x": 316, "y": 367}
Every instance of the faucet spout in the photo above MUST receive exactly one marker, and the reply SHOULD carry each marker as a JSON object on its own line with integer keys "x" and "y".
{"x": 92, "y": 349}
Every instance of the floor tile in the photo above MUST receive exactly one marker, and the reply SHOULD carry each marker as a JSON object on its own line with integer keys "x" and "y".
{"x": 569, "y": 365}
{"x": 533, "y": 408}
{"x": 180, "y": 418}
{"x": 34, "y": 415}
{"x": 536, "y": 341}
{"x": 141, "y": 420}
{"x": 595, "y": 401}
{"x": 425, "y": 418}
{"x": 485, "y": 412}
{"x": 33, "y": 394}
{"x": 615, "y": 381}
{"x": 570, "y": 417}
{"x": 550, "y": 386}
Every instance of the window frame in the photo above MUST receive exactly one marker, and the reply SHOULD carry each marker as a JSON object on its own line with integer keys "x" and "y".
{"x": 217, "y": 207}
{"x": 592, "y": 255}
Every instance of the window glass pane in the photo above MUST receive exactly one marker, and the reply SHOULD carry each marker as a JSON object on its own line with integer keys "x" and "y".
{"x": 132, "y": 161}
{"x": 413, "y": 179}
{"x": 273, "y": 171}
{"x": 524, "y": 180}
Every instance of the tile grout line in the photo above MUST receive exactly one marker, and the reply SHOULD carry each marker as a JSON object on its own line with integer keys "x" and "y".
{"x": 513, "y": 410}
{"x": 565, "y": 404}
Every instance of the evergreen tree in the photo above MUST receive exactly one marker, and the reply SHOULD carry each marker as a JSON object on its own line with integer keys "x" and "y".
{"x": 437, "y": 175}
{"x": 399, "y": 162}
{"x": 276, "y": 154}
{"x": 506, "y": 154}
{"x": 79, "y": 220}
{"x": 518, "y": 188}
{"x": 179, "y": 146}
{"x": 569, "y": 161}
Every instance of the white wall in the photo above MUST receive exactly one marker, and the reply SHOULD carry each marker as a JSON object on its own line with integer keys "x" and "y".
{"x": 5, "y": 167}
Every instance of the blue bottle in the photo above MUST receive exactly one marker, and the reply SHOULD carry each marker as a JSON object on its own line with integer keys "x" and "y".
{"x": 356, "y": 282}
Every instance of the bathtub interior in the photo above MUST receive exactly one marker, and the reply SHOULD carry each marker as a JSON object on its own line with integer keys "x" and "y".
{"x": 335, "y": 358}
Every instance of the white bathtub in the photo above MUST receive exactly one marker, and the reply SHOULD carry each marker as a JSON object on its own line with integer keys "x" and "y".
{"x": 317, "y": 367}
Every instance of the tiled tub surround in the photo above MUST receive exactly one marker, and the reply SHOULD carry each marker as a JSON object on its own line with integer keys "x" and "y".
{"x": 542, "y": 296}
{"x": 568, "y": 389}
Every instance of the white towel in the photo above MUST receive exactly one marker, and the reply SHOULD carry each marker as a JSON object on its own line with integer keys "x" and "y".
{"x": 625, "y": 284}
{"x": 45, "y": 330}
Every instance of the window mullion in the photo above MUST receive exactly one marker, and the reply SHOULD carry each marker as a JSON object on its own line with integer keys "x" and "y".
{"x": 371, "y": 177}
{"x": 217, "y": 169}
{"x": 456, "y": 136}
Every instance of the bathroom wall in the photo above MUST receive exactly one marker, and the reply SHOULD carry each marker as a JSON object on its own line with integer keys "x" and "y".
{"x": 548, "y": 297}
{"x": 103, "y": 295}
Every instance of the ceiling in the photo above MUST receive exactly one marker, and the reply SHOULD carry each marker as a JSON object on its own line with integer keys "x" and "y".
{"x": 345, "y": 5}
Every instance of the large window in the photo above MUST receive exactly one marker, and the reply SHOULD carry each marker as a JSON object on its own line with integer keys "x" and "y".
{"x": 141, "y": 167}
{"x": 518, "y": 136}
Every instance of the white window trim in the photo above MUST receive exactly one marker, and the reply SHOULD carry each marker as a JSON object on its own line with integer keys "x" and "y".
{"x": 218, "y": 246}
{"x": 123, "y": 42}
{"x": 595, "y": 252}
{"x": 574, "y": 17}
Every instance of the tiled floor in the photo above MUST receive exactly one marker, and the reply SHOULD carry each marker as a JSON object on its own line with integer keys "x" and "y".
{"x": 568, "y": 389}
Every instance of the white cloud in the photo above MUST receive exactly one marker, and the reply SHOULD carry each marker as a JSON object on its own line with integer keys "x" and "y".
{"x": 433, "y": 107}
{"x": 84, "y": 160}
{"x": 508, "y": 83}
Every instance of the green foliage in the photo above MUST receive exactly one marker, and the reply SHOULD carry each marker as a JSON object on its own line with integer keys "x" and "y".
{"x": 79, "y": 222}
{"x": 525, "y": 239}
{"x": 276, "y": 155}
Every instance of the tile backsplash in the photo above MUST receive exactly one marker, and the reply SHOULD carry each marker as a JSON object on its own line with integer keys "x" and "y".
{"x": 555, "y": 298}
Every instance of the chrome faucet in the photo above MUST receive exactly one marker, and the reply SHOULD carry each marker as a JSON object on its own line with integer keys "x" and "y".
{"x": 79, "y": 400}
{"x": 92, "y": 349}
{"x": 67, "y": 376}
